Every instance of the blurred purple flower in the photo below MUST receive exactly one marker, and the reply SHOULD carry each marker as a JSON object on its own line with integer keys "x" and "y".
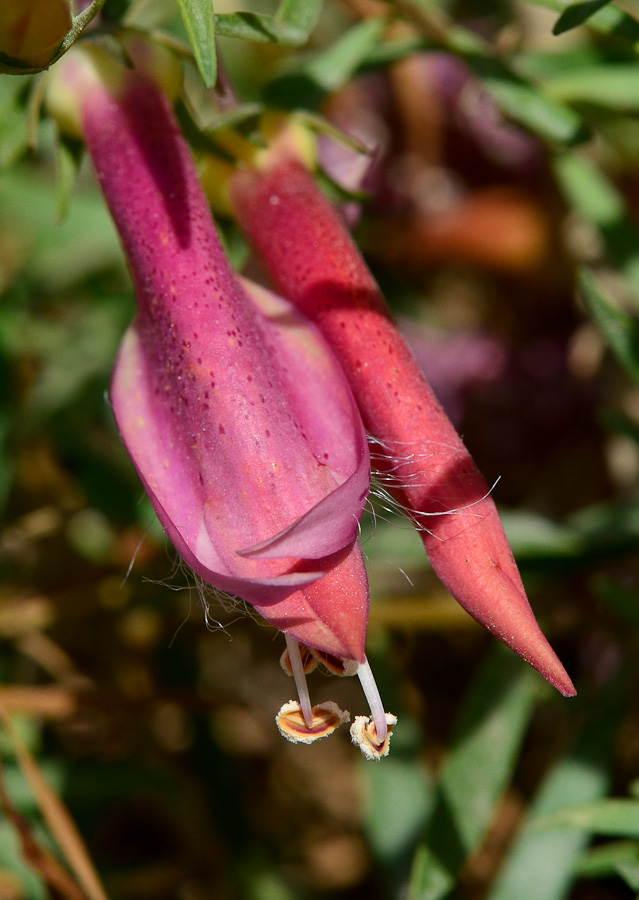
{"x": 454, "y": 362}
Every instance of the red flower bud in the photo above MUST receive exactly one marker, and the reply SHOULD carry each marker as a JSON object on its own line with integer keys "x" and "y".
{"x": 315, "y": 263}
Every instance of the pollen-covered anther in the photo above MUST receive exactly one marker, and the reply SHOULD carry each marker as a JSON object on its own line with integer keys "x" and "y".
{"x": 309, "y": 662}
{"x": 327, "y": 717}
{"x": 335, "y": 665}
{"x": 364, "y": 734}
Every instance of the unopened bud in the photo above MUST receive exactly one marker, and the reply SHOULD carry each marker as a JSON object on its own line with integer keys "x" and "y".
{"x": 84, "y": 69}
{"x": 31, "y": 32}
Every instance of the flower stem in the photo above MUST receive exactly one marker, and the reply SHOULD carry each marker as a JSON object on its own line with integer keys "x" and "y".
{"x": 369, "y": 686}
{"x": 300, "y": 679}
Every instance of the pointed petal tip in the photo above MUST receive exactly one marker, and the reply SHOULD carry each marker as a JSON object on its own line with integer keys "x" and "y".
{"x": 547, "y": 663}
{"x": 563, "y": 683}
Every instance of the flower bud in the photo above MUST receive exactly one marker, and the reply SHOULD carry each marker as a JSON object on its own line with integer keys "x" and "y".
{"x": 30, "y": 33}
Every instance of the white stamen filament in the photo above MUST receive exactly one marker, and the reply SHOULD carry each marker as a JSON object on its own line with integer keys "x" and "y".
{"x": 300, "y": 679}
{"x": 378, "y": 714}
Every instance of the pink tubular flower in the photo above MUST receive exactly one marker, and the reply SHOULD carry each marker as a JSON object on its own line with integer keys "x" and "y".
{"x": 236, "y": 414}
{"x": 314, "y": 262}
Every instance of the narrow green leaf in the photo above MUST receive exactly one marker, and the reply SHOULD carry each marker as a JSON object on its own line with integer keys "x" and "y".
{"x": 387, "y": 52}
{"x": 619, "y": 328}
{"x": 588, "y": 190}
{"x": 485, "y": 749}
{"x": 236, "y": 117}
{"x": 594, "y": 197}
{"x": 485, "y": 746}
{"x": 613, "y": 86}
{"x": 534, "y": 537}
{"x": 615, "y": 818}
{"x": 59, "y": 256}
{"x": 620, "y": 423}
{"x": 629, "y": 871}
{"x": 306, "y": 85}
{"x": 80, "y": 22}
{"x": 14, "y": 125}
{"x": 299, "y": 15}
{"x": 429, "y": 879}
{"x": 68, "y": 155}
{"x": 541, "y": 864}
{"x": 620, "y": 598}
{"x": 320, "y": 125}
{"x": 544, "y": 116}
{"x": 200, "y": 25}
{"x": 333, "y": 68}
{"x": 291, "y": 25}
{"x": 251, "y": 27}
{"x": 609, "y": 21}
{"x": 577, "y": 14}
{"x": 603, "y": 861}
{"x": 399, "y": 796}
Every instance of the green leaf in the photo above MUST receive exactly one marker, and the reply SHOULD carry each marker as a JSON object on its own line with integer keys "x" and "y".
{"x": 252, "y": 27}
{"x": 236, "y": 117}
{"x": 611, "y": 527}
{"x": 629, "y": 871}
{"x": 306, "y": 85}
{"x": 387, "y": 52}
{"x": 594, "y": 197}
{"x": 619, "y": 422}
{"x": 609, "y": 21}
{"x": 615, "y": 818}
{"x": 333, "y": 68}
{"x": 59, "y": 256}
{"x": 541, "y": 863}
{"x": 80, "y": 22}
{"x": 200, "y": 25}
{"x": 299, "y": 15}
{"x": 320, "y": 125}
{"x": 588, "y": 190}
{"x": 429, "y": 879}
{"x": 68, "y": 156}
{"x": 613, "y": 86}
{"x": 484, "y": 754}
{"x": 542, "y": 115}
{"x": 487, "y": 740}
{"x": 604, "y": 861}
{"x": 619, "y": 328}
{"x": 577, "y": 14}
{"x": 621, "y": 599}
{"x": 533, "y": 536}
{"x": 400, "y": 795}
{"x": 291, "y": 25}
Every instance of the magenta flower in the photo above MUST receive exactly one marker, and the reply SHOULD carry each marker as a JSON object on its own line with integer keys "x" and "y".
{"x": 236, "y": 414}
